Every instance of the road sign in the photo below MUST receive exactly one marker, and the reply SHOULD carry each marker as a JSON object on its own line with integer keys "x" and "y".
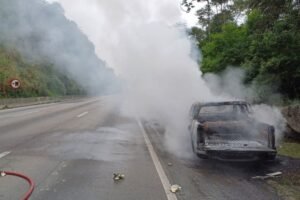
{"x": 15, "y": 83}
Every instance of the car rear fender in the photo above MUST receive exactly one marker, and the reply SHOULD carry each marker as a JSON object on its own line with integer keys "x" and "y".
{"x": 197, "y": 133}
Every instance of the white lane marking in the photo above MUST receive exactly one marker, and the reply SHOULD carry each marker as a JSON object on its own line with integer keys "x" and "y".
{"x": 161, "y": 173}
{"x": 4, "y": 154}
{"x": 82, "y": 114}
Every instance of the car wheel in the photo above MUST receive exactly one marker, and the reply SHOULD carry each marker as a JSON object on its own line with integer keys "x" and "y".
{"x": 202, "y": 156}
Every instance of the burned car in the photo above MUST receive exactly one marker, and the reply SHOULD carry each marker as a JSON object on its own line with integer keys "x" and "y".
{"x": 227, "y": 131}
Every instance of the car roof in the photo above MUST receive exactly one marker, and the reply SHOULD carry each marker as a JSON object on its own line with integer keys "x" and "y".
{"x": 224, "y": 103}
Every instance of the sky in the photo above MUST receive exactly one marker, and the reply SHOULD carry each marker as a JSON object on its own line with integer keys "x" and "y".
{"x": 189, "y": 18}
{"x": 86, "y": 15}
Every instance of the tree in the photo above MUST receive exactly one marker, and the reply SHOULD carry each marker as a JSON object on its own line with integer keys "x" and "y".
{"x": 224, "y": 48}
{"x": 266, "y": 44}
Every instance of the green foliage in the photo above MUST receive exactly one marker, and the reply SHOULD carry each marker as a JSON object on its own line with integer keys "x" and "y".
{"x": 266, "y": 45}
{"x": 219, "y": 19}
{"x": 38, "y": 79}
{"x": 273, "y": 57}
{"x": 290, "y": 149}
{"x": 228, "y": 47}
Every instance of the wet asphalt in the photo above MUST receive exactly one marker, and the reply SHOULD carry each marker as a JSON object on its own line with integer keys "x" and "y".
{"x": 71, "y": 150}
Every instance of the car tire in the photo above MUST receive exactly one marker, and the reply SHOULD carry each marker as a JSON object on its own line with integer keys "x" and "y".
{"x": 202, "y": 156}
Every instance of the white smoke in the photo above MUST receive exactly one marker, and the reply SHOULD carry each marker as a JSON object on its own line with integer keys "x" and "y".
{"x": 271, "y": 115}
{"x": 229, "y": 84}
{"x": 147, "y": 45}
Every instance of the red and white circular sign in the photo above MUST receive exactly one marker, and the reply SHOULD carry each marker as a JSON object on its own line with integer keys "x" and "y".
{"x": 15, "y": 83}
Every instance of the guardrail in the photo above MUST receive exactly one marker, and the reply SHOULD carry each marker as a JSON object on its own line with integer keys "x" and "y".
{"x": 19, "y": 102}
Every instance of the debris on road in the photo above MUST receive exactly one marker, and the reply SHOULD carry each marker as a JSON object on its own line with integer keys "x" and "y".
{"x": 274, "y": 174}
{"x": 170, "y": 164}
{"x": 118, "y": 176}
{"x": 269, "y": 175}
{"x": 175, "y": 188}
{"x": 3, "y": 174}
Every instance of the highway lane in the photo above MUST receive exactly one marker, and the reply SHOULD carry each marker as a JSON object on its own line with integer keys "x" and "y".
{"x": 20, "y": 124}
{"x": 71, "y": 149}
{"x": 211, "y": 179}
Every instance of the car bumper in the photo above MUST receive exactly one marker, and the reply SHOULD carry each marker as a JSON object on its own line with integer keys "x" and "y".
{"x": 241, "y": 155}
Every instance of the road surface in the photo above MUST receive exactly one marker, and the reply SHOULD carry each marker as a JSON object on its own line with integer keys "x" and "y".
{"x": 71, "y": 150}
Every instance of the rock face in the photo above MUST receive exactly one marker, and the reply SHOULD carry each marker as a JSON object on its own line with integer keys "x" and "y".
{"x": 292, "y": 116}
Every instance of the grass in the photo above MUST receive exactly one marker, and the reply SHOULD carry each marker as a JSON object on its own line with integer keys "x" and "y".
{"x": 285, "y": 191}
{"x": 288, "y": 185}
{"x": 291, "y": 149}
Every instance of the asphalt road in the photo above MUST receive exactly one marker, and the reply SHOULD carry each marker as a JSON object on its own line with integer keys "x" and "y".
{"x": 71, "y": 150}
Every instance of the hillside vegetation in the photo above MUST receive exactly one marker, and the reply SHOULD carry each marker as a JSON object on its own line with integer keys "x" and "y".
{"x": 37, "y": 79}
{"x": 47, "y": 52}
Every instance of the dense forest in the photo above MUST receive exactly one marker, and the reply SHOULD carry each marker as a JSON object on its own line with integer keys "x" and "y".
{"x": 260, "y": 36}
{"x": 47, "y": 52}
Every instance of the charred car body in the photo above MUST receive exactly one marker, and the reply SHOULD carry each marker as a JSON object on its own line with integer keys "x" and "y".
{"x": 226, "y": 130}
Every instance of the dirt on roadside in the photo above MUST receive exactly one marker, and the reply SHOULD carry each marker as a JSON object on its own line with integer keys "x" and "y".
{"x": 288, "y": 184}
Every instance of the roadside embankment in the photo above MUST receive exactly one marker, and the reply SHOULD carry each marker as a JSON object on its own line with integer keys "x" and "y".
{"x": 20, "y": 102}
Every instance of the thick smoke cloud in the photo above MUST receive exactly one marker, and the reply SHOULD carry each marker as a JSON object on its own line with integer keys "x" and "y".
{"x": 41, "y": 33}
{"x": 147, "y": 45}
{"x": 229, "y": 84}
